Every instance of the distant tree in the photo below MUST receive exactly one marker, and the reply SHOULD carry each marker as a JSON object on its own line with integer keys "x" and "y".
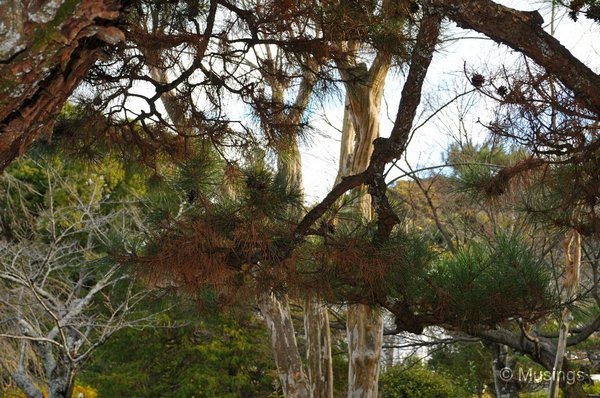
{"x": 62, "y": 296}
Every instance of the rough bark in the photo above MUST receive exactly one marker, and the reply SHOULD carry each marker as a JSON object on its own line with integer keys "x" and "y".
{"x": 523, "y": 31}
{"x": 48, "y": 47}
{"x": 283, "y": 340}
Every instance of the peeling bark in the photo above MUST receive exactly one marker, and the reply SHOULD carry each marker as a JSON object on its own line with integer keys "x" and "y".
{"x": 365, "y": 338}
{"x": 318, "y": 348}
{"x": 48, "y": 47}
{"x": 572, "y": 246}
{"x": 387, "y": 149}
{"x": 283, "y": 340}
{"x": 364, "y": 325}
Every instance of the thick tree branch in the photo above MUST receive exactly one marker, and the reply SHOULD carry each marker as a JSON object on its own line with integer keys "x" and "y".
{"x": 55, "y": 54}
{"x": 387, "y": 149}
{"x": 523, "y": 31}
{"x": 584, "y": 332}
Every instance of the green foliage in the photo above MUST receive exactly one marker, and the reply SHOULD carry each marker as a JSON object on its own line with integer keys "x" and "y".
{"x": 475, "y": 165}
{"x": 468, "y": 365}
{"x": 177, "y": 187}
{"x": 592, "y": 388}
{"x": 481, "y": 284}
{"x": 416, "y": 381}
{"x": 214, "y": 358}
{"x": 86, "y": 391}
{"x": 44, "y": 181}
{"x": 485, "y": 284}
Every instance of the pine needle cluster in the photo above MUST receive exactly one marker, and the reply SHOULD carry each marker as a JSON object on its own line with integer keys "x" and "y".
{"x": 227, "y": 240}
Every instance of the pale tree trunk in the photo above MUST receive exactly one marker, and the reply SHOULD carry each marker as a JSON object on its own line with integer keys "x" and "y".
{"x": 277, "y": 316}
{"x": 388, "y": 353}
{"x": 316, "y": 317}
{"x": 276, "y": 310}
{"x": 318, "y": 348}
{"x": 365, "y": 336}
{"x": 500, "y": 360}
{"x": 572, "y": 245}
{"x": 319, "y": 382}
{"x": 364, "y": 324}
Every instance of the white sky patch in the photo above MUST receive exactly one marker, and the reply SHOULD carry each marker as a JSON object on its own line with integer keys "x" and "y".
{"x": 445, "y": 79}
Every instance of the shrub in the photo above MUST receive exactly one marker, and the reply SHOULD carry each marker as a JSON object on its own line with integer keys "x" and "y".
{"x": 417, "y": 382}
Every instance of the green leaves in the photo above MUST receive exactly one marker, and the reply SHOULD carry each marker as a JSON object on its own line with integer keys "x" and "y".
{"x": 213, "y": 358}
{"x": 416, "y": 381}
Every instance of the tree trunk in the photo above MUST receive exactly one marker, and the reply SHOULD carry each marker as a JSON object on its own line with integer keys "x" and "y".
{"x": 283, "y": 342}
{"x": 48, "y": 47}
{"x": 316, "y": 321}
{"x": 364, "y": 325}
{"x": 540, "y": 349}
{"x": 276, "y": 309}
{"x": 504, "y": 388}
{"x": 26, "y": 385}
{"x": 365, "y": 336}
{"x": 318, "y": 348}
{"x": 572, "y": 246}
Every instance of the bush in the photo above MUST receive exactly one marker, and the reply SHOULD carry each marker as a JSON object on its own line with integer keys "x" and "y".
{"x": 86, "y": 391}
{"x": 417, "y": 382}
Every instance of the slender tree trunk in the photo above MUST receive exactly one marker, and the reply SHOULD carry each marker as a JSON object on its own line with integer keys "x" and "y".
{"x": 283, "y": 341}
{"x": 319, "y": 382}
{"x": 364, "y": 324}
{"x": 572, "y": 246}
{"x": 504, "y": 388}
{"x": 318, "y": 348}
